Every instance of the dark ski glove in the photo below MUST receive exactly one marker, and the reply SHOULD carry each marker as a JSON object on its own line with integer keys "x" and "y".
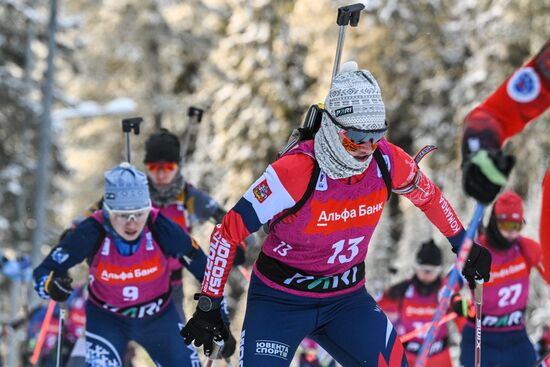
{"x": 203, "y": 328}
{"x": 485, "y": 172}
{"x": 59, "y": 288}
{"x": 463, "y": 307}
{"x": 478, "y": 265}
{"x": 229, "y": 345}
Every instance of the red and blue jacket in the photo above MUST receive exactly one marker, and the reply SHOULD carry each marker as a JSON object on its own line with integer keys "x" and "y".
{"x": 284, "y": 183}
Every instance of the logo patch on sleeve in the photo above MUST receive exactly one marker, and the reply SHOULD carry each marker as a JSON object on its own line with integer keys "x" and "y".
{"x": 261, "y": 191}
{"x": 524, "y": 85}
{"x": 59, "y": 255}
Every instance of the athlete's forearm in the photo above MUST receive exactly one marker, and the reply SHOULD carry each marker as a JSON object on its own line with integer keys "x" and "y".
{"x": 428, "y": 198}
{"x": 523, "y": 97}
{"x": 218, "y": 264}
{"x": 195, "y": 263}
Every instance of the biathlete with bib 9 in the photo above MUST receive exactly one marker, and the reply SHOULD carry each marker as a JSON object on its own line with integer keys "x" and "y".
{"x": 127, "y": 245}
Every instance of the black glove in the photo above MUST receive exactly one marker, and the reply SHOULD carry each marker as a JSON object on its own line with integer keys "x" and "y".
{"x": 59, "y": 288}
{"x": 229, "y": 345}
{"x": 485, "y": 172}
{"x": 463, "y": 307}
{"x": 240, "y": 256}
{"x": 478, "y": 265}
{"x": 203, "y": 327}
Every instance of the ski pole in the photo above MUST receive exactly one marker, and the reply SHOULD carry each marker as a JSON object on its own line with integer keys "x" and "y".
{"x": 347, "y": 15}
{"x": 42, "y": 335}
{"x": 541, "y": 359}
{"x": 411, "y": 335}
{"x": 62, "y": 311}
{"x": 195, "y": 117}
{"x": 478, "y": 295}
{"x": 129, "y": 125}
{"x": 216, "y": 350}
{"x": 450, "y": 283}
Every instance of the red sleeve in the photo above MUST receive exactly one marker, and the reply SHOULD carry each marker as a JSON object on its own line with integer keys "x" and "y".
{"x": 545, "y": 226}
{"x": 524, "y": 96}
{"x": 424, "y": 194}
{"x": 233, "y": 228}
{"x": 530, "y": 250}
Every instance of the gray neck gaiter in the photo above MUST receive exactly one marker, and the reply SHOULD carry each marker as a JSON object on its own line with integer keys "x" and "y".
{"x": 333, "y": 158}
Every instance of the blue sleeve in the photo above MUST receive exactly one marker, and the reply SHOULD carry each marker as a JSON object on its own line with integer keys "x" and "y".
{"x": 172, "y": 238}
{"x": 177, "y": 243}
{"x": 196, "y": 263}
{"x": 456, "y": 240}
{"x": 246, "y": 211}
{"x": 77, "y": 245}
{"x": 200, "y": 205}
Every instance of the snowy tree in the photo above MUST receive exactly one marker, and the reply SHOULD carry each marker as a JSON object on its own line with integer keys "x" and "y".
{"x": 254, "y": 90}
{"x": 150, "y": 52}
{"x": 23, "y": 33}
{"x": 255, "y": 67}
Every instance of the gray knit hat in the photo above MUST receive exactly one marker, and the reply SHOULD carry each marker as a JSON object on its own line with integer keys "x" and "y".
{"x": 355, "y": 100}
{"x": 126, "y": 188}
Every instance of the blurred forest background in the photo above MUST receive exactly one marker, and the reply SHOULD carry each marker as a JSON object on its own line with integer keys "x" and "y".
{"x": 254, "y": 66}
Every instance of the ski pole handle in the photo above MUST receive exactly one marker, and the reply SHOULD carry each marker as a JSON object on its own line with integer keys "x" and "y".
{"x": 217, "y": 347}
{"x": 216, "y": 351}
{"x": 347, "y": 15}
